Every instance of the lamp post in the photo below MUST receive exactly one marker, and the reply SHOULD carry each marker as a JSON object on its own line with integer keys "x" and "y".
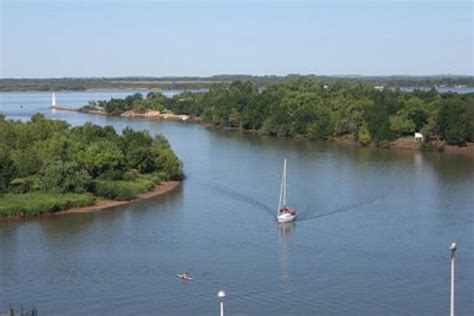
{"x": 452, "y": 250}
{"x": 221, "y": 295}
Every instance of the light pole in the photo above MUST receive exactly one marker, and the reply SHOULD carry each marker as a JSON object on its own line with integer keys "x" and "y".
{"x": 452, "y": 250}
{"x": 221, "y": 295}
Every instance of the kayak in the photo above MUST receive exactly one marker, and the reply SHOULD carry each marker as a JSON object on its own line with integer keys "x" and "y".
{"x": 183, "y": 277}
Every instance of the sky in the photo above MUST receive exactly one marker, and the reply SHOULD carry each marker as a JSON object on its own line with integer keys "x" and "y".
{"x": 101, "y": 38}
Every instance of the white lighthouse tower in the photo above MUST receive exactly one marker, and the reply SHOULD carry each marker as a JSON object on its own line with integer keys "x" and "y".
{"x": 53, "y": 100}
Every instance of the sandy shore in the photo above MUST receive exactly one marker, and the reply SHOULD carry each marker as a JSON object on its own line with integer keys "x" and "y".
{"x": 153, "y": 115}
{"x": 105, "y": 204}
{"x": 467, "y": 150}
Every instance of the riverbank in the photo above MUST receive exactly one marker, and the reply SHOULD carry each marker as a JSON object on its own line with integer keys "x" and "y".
{"x": 98, "y": 205}
{"x": 101, "y": 205}
{"x": 438, "y": 146}
{"x": 406, "y": 143}
{"x": 157, "y": 115}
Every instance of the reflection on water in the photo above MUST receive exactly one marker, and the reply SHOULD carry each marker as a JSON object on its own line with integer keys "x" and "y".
{"x": 284, "y": 232}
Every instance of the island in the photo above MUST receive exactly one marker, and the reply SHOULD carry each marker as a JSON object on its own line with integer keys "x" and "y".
{"x": 304, "y": 107}
{"x": 47, "y": 166}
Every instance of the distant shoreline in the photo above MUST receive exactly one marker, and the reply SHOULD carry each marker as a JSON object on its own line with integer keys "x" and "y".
{"x": 203, "y": 82}
{"x": 205, "y": 87}
{"x": 404, "y": 144}
{"x": 399, "y": 144}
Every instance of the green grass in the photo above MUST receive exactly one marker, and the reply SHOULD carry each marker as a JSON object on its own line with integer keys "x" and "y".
{"x": 125, "y": 190}
{"x": 36, "y": 203}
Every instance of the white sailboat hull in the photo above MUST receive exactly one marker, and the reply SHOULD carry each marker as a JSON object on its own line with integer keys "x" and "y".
{"x": 286, "y": 218}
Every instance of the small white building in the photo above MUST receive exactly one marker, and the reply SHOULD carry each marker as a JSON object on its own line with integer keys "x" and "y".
{"x": 379, "y": 88}
{"x": 419, "y": 137}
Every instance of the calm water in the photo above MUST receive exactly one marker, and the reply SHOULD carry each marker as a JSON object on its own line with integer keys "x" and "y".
{"x": 372, "y": 236}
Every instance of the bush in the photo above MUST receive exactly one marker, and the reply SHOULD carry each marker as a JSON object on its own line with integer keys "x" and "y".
{"x": 112, "y": 175}
{"x": 125, "y": 190}
{"x": 22, "y": 185}
{"x": 383, "y": 144}
{"x": 131, "y": 175}
{"x": 363, "y": 135}
{"x": 64, "y": 177}
{"x": 426, "y": 146}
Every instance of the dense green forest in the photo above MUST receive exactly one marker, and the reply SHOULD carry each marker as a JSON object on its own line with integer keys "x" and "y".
{"x": 309, "y": 108}
{"x": 78, "y": 84}
{"x": 47, "y": 165}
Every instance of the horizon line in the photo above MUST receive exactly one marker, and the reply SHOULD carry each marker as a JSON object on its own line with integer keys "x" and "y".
{"x": 242, "y": 74}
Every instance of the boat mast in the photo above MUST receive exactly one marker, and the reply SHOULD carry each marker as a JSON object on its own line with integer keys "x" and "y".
{"x": 282, "y": 201}
{"x": 282, "y": 189}
{"x": 285, "y": 185}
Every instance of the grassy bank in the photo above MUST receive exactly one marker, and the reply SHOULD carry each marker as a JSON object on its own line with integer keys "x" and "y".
{"x": 37, "y": 203}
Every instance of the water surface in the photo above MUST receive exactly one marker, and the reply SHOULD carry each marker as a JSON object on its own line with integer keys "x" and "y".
{"x": 371, "y": 239}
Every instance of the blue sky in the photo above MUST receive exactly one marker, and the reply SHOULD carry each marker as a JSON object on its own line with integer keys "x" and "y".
{"x": 196, "y": 38}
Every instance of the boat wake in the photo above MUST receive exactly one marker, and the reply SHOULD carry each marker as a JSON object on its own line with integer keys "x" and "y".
{"x": 347, "y": 208}
{"x": 242, "y": 197}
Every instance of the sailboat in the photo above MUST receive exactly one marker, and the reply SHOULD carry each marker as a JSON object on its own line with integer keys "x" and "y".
{"x": 286, "y": 214}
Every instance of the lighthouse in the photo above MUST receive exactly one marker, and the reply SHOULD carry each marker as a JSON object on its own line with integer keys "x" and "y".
{"x": 53, "y": 100}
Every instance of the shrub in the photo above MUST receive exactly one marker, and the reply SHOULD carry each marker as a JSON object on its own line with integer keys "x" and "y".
{"x": 63, "y": 177}
{"x": 383, "y": 144}
{"x": 125, "y": 190}
{"x": 426, "y": 146}
{"x": 22, "y": 185}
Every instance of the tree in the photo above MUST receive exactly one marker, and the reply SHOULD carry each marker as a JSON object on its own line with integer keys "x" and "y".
{"x": 7, "y": 170}
{"x": 102, "y": 156}
{"x": 401, "y": 124}
{"x": 64, "y": 177}
{"x": 141, "y": 159}
{"x": 363, "y": 135}
{"x": 416, "y": 112}
{"x": 454, "y": 121}
{"x": 234, "y": 118}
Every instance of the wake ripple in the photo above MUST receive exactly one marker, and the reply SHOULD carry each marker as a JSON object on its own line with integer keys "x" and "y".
{"x": 343, "y": 209}
{"x": 241, "y": 197}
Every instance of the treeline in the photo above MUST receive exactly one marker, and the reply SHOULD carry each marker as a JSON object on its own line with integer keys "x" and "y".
{"x": 314, "y": 110}
{"x": 307, "y": 107}
{"x": 82, "y": 84}
{"x": 135, "y": 102}
{"x": 79, "y": 84}
{"x": 50, "y": 158}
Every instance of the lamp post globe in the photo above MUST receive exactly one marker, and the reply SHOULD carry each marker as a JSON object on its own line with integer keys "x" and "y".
{"x": 452, "y": 248}
{"x": 221, "y": 294}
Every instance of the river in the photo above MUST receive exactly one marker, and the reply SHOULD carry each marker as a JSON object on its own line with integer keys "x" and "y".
{"x": 371, "y": 238}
